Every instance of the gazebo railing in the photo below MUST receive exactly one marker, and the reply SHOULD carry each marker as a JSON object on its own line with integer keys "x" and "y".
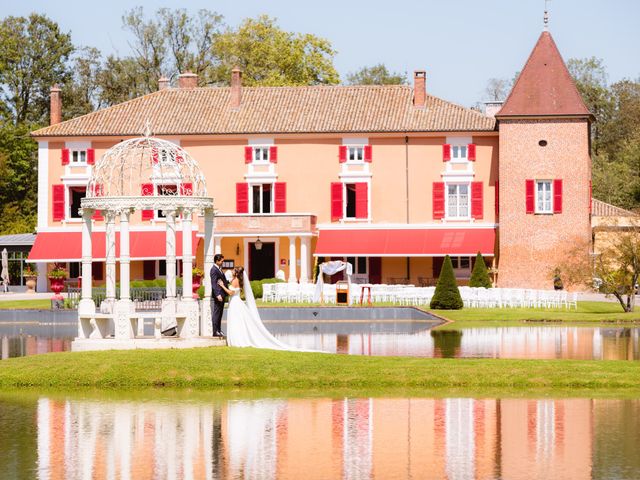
{"x": 144, "y": 298}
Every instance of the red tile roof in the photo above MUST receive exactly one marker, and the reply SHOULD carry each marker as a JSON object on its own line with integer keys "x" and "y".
{"x": 544, "y": 87}
{"x": 273, "y": 110}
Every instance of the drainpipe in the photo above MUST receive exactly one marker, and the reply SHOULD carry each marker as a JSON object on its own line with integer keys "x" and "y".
{"x": 406, "y": 166}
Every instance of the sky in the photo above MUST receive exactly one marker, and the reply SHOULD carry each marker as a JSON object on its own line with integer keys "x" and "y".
{"x": 460, "y": 43}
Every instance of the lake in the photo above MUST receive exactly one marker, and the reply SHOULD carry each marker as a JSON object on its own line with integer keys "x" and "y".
{"x": 392, "y": 337}
{"x": 205, "y": 436}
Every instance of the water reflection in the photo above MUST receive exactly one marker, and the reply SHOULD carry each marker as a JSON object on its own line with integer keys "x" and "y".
{"x": 584, "y": 343}
{"x": 453, "y": 438}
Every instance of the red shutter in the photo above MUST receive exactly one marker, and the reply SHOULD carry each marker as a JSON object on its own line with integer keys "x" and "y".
{"x": 186, "y": 189}
{"x": 446, "y": 152}
{"x": 342, "y": 154}
{"x": 248, "y": 154}
{"x": 471, "y": 152}
{"x": 477, "y": 203}
{"x": 497, "y": 194}
{"x": 273, "y": 154}
{"x": 97, "y": 192}
{"x": 91, "y": 156}
{"x": 242, "y": 198}
{"x": 179, "y": 157}
{"x": 530, "y": 196}
{"x": 336, "y": 201}
{"x": 438, "y": 200}
{"x": 58, "y": 202}
{"x": 280, "y": 197}
{"x": 362, "y": 200}
{"x": 154, "y": 155}
{"x": 65, "y": 156}
{"x": 557, "y": 196}
{"x": 367, "y": 153}
{"x": 147, "y": 191}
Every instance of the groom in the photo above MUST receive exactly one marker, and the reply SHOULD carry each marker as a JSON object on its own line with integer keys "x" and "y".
{"x": 218, "y": 295}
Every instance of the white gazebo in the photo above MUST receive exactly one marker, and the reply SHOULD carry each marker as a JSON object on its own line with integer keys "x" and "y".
{"x": 145, "y": 174}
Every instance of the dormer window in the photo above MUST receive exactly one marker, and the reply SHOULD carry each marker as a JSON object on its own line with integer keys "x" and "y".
{"x": 458, "y": 153}
{"x": 78, "y": 157}
{"x": 260, "y": 154}
{"x": 355, "y": 154}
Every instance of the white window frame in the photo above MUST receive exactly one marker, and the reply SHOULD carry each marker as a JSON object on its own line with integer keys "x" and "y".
{"x": 261, "y": 154}
{"x": 74, "y": 154}
{"x": 545, "y": 209}
{"x": 458, "y": 270}
{"x": 448, "y": 213}
{"x": 272, "y": 203}
{"x": 344, "y": 201}
{"x": 459, "y": 153}
{"x": 357, "y": 152}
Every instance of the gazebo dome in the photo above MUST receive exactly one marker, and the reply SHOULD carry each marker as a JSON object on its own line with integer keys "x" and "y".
{"x": 146, "y": 166}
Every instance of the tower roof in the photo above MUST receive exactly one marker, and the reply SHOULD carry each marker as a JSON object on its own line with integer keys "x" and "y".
{"x": 544, "y": 87}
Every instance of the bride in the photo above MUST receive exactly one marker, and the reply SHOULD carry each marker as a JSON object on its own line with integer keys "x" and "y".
{"x": 244, "y": 325}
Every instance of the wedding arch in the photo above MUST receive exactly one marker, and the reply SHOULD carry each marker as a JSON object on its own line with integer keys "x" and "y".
{"x": 144, "y": 174}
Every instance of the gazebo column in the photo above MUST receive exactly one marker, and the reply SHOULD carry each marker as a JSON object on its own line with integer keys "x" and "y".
{"x": 187, "y": 256}
{"x": 206, "y": 328}
{"x": 125, "y": 257}
{"x": 110, "y": 249}
{"x": 169, "y": 303}
{"x": 86, "y": 307}
{"x": 292, "y": 260}
{"x": 305, "y": 243}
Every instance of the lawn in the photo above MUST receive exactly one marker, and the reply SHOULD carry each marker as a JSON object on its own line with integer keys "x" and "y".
{"x": 36, "y": 304}
{"x": 237, "y": 368}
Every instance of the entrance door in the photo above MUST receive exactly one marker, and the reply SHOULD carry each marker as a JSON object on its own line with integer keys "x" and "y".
{"x": 262, "y": 262}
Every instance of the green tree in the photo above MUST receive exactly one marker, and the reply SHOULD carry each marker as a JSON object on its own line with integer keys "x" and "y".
{"x": 447, "y": 296}
{"x": 33, "y": 57}
{"x": 480, "y": 275}
{"x": 270, "y": 56}
{"x": 376, "y": 75}
{"x": 81, "y": 94}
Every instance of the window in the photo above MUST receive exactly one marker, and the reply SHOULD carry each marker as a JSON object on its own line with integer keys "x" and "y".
{"x": 458, "y": 153}
{"x": 351, "y": 200}
{"x": 75, "y": 269}
{"x": 355, "y": 154}
{"x": 544, "y": 196}
{"x": 261, "y": 198}
{"x": 77, "y": 157}
{"x": 461, "y": 266}
{"x": 165, "y": 190}
{"x": 260, "y": 154}
{"x": 458, "y": 200}
{"x": 75, "y": 195}
{"x": 359, "y": 265}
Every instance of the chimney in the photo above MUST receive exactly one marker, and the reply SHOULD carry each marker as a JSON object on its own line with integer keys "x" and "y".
{"x": 491, "y": 108}
{"x": 163, "y": 83}
{"x": 419, "y": 89}
{"x": 187, "y": 80}
{"x": 236, "y": 87}
{"x": 55, "y": 105}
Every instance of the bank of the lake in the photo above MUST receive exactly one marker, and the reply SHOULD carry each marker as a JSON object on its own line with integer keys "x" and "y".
{"x": 224, "y": 367}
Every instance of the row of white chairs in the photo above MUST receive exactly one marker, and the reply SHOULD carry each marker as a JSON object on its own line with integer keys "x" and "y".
{"x": 472, "y": 297}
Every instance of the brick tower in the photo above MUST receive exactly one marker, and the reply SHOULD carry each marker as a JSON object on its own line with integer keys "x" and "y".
{"x": 544, "y": 171}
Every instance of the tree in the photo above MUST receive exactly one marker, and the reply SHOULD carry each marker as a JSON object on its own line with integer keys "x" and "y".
{"x": 33, "y": 56}
{"x": 376, "y": 75}
{"x": 497, "y": 89}
{"x": 447, "y": 296}
{"x": 81, "y": 94}
{"x": 480, "y": 275}
{"x": 270, "y": 56}
{"x": 613, "y": 271}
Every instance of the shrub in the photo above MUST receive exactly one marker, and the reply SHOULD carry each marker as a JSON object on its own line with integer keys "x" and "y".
{"x": 201, "y": 291}
{"x": 480, "y": 275}
{"x": 447, "y": 296}
{"x": 256, "y": 288}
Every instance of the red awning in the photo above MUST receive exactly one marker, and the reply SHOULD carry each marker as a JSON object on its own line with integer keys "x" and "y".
{"x": 67, "y": 246}
{"x": 406, "y": 242}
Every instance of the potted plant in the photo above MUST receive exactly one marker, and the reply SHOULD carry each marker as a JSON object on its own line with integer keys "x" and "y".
{"x": 196, "y": 278}
{"x": 57, "y": 276}
{"x": 31, "y": 275}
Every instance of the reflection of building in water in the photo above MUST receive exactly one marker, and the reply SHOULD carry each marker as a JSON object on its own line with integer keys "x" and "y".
{"x": 21, "y": 345}
{"x": 456, "y": 438}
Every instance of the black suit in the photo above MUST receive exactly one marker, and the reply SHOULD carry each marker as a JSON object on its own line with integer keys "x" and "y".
{"x": 218, "y": 306}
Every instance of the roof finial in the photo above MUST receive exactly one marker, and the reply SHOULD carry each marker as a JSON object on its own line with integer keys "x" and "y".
{"x": 546, "y": 15}
{"x": 147, "y": 129}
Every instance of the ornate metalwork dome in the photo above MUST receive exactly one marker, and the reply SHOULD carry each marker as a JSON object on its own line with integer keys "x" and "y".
{"x": 146, "y": 166}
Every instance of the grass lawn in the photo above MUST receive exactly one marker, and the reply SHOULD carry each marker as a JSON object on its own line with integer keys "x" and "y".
{"x": 36, "y": 304}
{"x": 247, "y": 369}
{"x": 588, "y": 312}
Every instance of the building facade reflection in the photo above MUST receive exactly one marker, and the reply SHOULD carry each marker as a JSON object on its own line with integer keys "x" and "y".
{"x": 452, "y": 438}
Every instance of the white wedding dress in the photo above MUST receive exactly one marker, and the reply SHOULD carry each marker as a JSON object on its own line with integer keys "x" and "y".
{"x": 244, "y": 325}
